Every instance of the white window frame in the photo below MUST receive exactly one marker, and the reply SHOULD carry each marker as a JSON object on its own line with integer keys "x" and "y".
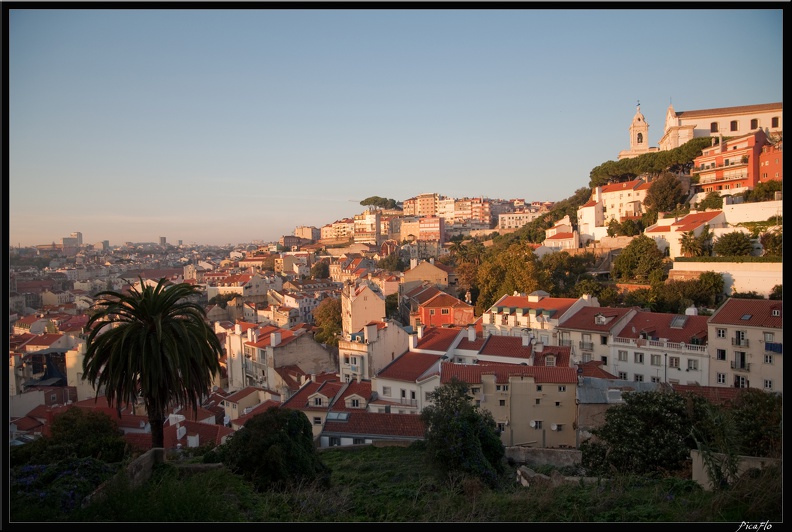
{"x": 721, "y": 378}
{"x": 692, "y": 364}
{"x": 638, "y": 358}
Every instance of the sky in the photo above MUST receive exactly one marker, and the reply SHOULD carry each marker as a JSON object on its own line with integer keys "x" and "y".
{"x": 226, "y": 126}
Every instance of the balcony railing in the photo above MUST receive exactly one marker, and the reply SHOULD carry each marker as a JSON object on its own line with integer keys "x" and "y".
{"x": 408, "y": 402}
{"x": 740, "y": 342}
{"x": 586, "y": 345}
{"x": 743, "y": 366}
{"x": 774, "y": 347}
{"x": 565, "y": 343}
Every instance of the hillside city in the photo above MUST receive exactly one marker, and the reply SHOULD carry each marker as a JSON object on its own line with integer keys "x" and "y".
{"x": 410, "y": 316}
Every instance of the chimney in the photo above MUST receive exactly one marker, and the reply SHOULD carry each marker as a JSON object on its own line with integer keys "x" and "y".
{"x": 421, "y": 329}
{"x": 526, "y": 340}
{"x": 275, "y": 338}
{"x": 250, "y": 335}
{"x": 471, "y": 333}
{"x": 538, "y": 347}
{"x": 413, "y": 341}
{"x": 358, "y": 378}
{"x": 238, "y": 328}
{"x": 370, "y": 332}
{"x": 313, "y": 377}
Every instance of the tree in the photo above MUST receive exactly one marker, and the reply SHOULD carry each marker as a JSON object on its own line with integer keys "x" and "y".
{"x": 638, "y": 259}
{"x": 734, "y": 244}
{"x": 650, "y": 433}
{"x": 153, "y": 343}
{"x": 713, "y": 200}
{"x": 690, "y": 245}
{"x": 773, "y": 242}
{"x": 327, "y": 316}
{"x": 763, "y": 191}
{"x": 320, "y": 270}
{"x": 76, "y": 433}
{"x": 275, "y": 449}
{"x": 664, "y": 193}
{"x": 461, "y": 437}
{"x": 392, "y": 304}
{"x": 512, "y": 270}
{"x": 777, "y": 293}
{"x": 392, "y": 263}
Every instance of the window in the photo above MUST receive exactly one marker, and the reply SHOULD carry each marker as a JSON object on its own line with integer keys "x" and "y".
{"x": 740, "y": 382}
{"x": 622, "y": 356}
{"x": 638, "y": 378}
{"x": 558, "y": 403}
{"x": 386, "y": 391}
{"x": 603, "y": 340}
{"x": 538, "y": 401}
{"x": 502, "y": 387}
{"x": 693, "y": 364}
{"x": 426, "y": 396}
{"x": 623, "y": 375}
{"x": 475, "y": 390}
{"x": 673, "y": 362}
{"x": 586, "y": 357}
{"x": 733, "y": 125}
{"x": 775, "y": 311}
{"x": 317, "y": 401}
{"x": 317, "y": 421}
{"x": 538, "y": 387}
{"x": 714, "y": 127}
{"x": 774, "y": 122}
{"x": 655, "y": 379}
{"x": 537, "y": 424}
{"x": 358, "y": 441}
{"x": 768, "y": 384}
{"x": 754, "y": 123}
{"x": 431, "y": 311}
{"x": 335, "y": 441}
{"x": 721, "y": 378}
{"x": 502, "y": 402}
{"x": 656, "y": 360}
{"x": 720, "y": 354}
{"x": 721, "y": 333}
{"x": 638, "y": 358}
{"x": 768, "y": 359}
{"x": 355, "y": 403}
{"x": 501, "y": 427}
{"x": 768, "y": 337}
{"x": 562, "y": 388}
{"x": 550, "y": 361}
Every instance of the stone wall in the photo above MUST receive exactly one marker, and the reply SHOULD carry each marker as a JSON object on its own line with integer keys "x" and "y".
{"x": 535, "y": 457}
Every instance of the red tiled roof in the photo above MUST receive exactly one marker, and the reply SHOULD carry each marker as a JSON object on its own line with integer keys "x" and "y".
{"x": 561, "y": 236}
{"x": 362, "y": 389}
{"x": 584, "y": 319}
{"x": 594, "y": 368}
{"x": 730, "y": 110}
{"x": 377, "y": 424}
{"x": 759, "y": 313}
{"x": 408, "y": 367}
{"x": 658, "y": 325}
{"x": 506, "y": 346}
{"x": 438, "y": 338}
{"x": 615, "y": 187}
{"x": 444, "y": 300}
{"x": 258, "y": 409}
{"x": 713, "y": 394}
{"x": 692, "y": 221}
{"x": 561, "y": 304}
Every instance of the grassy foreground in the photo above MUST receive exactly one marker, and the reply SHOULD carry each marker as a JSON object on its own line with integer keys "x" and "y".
{"x": 396, "y": 484}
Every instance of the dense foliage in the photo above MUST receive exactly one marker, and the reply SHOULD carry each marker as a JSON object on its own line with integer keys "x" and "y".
{"x": 320, "y": 270}
{"x": 327, "y": 316}
{"x": 274, "y": 450}
{"x": 382, "y": 203}
{"x": 734, "y": 244}
{"x": 650, "y": 433}
{"x": 637, "y": 260}
{"x": 664, "y": 194}
{"x": 461, "y": 437}
{"x": 75, "y": 433}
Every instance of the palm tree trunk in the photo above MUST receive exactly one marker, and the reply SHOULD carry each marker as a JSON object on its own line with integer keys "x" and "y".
{"x": 157, "y": 422}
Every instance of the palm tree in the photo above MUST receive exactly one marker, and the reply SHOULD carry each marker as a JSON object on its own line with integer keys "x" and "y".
{"x": 690, "y": 245}
{"x": 155, "y": 343}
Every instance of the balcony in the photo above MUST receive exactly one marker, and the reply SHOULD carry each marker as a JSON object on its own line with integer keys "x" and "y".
{"x": 588, "y": 346}
{"x": 774, "y": 347}
{"x": 743, "y": 366}
{"x": 714, "y": 166}
{"x": 565, "y": 343}
{"x": 408, "y": 402}
{"x": 739, "y": 342}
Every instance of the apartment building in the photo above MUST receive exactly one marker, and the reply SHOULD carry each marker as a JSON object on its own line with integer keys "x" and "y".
{"x": 537, "y": 311}
{"x": 367, "y": 228}
{"x": 730, "y": 164}
{"x": 361, "y": 303}
{"x": 746, "y": 344}
{"x": 662, "y": 348}
{"x": 668, "y": 232}
{"x": 771, "y": 161}
{"x": 364, "y": 353}
{"x": 590, "y": 331}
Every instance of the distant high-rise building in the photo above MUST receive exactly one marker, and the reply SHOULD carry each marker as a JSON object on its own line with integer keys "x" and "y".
{"x": 163, "y": 241}
{"x": 180, "y": 242}
{"x": 78, "y": 236}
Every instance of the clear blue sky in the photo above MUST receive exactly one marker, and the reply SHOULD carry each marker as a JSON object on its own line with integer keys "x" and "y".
{"x": 228, "y": 126}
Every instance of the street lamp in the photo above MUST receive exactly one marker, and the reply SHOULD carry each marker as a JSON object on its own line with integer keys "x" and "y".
{"x": 665, "y": 367}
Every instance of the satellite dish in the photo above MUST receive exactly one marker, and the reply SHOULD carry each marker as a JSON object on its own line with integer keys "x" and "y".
{"x": 554, "y": 427}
